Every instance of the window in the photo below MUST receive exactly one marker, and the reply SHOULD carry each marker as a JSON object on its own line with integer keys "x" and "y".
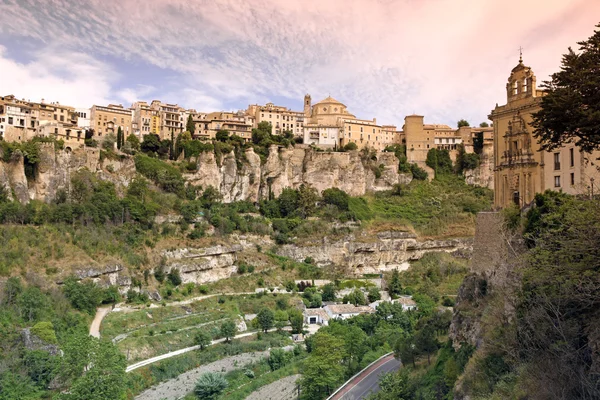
{"x": 361, "y": 129}
{"x": 556, "y": 161}
{"x": 10, "y": 120}
{"x": 572, "y": 178}
{"x": 62, "y": 118}
{"x": 572, "y": 157}
{"x": 557, "y": 181}
{"x": 54, "y": 116}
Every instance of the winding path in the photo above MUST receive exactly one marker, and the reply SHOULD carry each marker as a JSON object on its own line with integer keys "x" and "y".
{"x": 182, "y": 351}
{"x": 101, "y": 312}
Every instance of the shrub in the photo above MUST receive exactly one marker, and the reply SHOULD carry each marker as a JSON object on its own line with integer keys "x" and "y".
{"x": 210, "y": 385}
{"x": 45, "y": 331}
{"x": 336, "y": 197}
{"x": 174, "y": 277}
{"x": 418, "y": 173}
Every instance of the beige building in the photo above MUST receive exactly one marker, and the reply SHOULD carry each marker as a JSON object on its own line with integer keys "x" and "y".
{"x": 330, "y": 124}
{"x": 145, "y": 120}
{"x": 282, "y": 119}
{"x": 170, "y": 119}
{"x": 107, "y": 120}
{"x": 521, "y": 169}
{"x": 237, "y": 123}
{"x": 22, "y": 120}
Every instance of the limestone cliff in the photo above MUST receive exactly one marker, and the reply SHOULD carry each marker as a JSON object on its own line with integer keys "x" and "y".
{"x": 483, "y": 175}
{"x": 292, "y": 167}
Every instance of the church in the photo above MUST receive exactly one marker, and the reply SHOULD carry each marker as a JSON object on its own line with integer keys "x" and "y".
{"x": 521, "y": 168}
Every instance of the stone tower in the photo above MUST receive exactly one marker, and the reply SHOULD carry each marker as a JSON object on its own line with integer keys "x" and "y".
{"x": 307, "y": 106}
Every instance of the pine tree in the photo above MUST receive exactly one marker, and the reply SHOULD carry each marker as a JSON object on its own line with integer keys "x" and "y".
{"x": 120, "y": 140}
{"x": 190, "y": 126}
{"x": 571, "y": 107}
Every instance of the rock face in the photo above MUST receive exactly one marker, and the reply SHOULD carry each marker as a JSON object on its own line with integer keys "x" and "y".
{"x": 390, "y": 250}
{"x": 290, "y": 168}
{"x": 483, "y": 175}
{"x": 204, "y": 264}
{"x": 494, "y": 267}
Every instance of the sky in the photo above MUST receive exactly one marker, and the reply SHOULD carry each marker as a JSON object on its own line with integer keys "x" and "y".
{"x": 444, "y": 59}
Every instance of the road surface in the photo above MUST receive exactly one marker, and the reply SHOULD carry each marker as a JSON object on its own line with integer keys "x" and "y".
{"x": 368, "y": 380}
{"x": 95, "y": 327}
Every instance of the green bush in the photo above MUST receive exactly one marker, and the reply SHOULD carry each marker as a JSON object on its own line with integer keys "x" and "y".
{"x": 166, "y": 176}
{"x": 45, "y": 331}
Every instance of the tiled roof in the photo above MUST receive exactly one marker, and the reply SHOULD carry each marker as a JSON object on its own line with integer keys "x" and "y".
{"x": 349, "y": 309}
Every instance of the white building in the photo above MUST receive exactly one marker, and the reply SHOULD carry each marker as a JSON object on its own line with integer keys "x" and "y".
{"x": 83, "y": 117}
{"x": 317, "y": 316}
{"x": 345, "y": 311}
{"x": 407, "y": 303}
{"x": 321, "y": 135}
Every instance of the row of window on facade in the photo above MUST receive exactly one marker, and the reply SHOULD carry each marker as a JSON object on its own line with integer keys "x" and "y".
{"x": 557, "y": 180}
{"x": 283, "y": 118}
{"x": 557, "y": 159}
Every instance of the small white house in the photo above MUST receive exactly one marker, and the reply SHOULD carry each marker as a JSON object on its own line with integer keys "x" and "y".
{"x": 345, "y": 311}
{"x": 316, "y": 316}
{"x": 407, "y": 303}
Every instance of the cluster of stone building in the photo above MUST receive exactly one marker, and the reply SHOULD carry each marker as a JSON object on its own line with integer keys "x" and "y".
{"x": 520, "y": 168}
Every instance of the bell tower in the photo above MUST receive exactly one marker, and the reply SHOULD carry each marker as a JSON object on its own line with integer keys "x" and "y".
{"x": 307, "y": 105}
{"x": 521, "y": 83}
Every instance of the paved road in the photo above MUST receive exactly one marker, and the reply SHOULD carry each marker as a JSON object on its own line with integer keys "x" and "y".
{"x": 95, "y": 327}
{"x": 368, "y": 381}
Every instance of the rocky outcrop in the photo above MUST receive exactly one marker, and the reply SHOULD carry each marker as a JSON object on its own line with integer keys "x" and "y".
{"x": 247, "y": 179}
{"x": 483, "y": 175}
{"x": 390, "y": 250}
{"x": 201, "y": 265}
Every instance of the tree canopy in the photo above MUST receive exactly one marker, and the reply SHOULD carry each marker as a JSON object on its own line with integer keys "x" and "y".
{"x": 570, "y": 110}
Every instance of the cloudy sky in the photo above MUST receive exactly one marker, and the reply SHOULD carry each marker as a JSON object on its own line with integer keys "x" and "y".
{"x": 445, "y": 59}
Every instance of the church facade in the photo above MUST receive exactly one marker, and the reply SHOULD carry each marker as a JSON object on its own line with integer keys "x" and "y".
{"x": 521, "y": 168}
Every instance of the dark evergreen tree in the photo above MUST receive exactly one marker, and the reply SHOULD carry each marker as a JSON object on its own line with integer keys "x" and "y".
{"x": 571, "y": 107}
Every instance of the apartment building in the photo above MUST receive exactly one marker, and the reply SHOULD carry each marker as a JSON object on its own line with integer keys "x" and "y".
{"x": 145, "y": 120}
{"x": 170, "y": 119}
{"x": 237, "y": 123}
{"x": 282, "y": 119}
{"x": 108, "y": 119}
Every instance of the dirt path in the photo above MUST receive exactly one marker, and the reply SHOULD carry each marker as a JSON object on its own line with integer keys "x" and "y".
{"x": 187, "y": 349}
{"x": 123, "y": 307}
{"x": 178, "y": 387}
{"x": 101, "y": 312}
{"x": 283, "y": 389}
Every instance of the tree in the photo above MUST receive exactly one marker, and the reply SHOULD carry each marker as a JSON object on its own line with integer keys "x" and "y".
{"x": 92, "y": 369}
{"x": 484, "y": 125}
{"x": 307, "y": 200}
{"x": 418, "y": 173}
{"x": 12, "y": 289}
{"x": 278, "y": 358}
{"x": 336, "y": 197}
{"x": 374, "y": 294}
{"x": 395, "y": 286}
{"x": 202, "y": 339}
{"x": 350, "y": 146}
{"x": 328, "y": 292}
{"x": 32, "y": 303}
{"x": 109, "y": 142}
{"x": 120, "y": 139}
{"x": 296, "y": 320}
{"x": 210, "y": 385}
{"x": 570, "y": 110}
{"x": 406, "y": 349}
{"x": 151, "y": 143}
{"x": 190, "y": 126}
{"x": 174, "y": 277}
{"x": 355, "y": 297}
{"x": 288, "y": 201}
{"x": 439, "y": 160}
{"x": 426, "y": 341}
{"x": 265, "y": 318}
{"x": 222, "y": 135}
{"x": 84, "y": 296}
{"x": 134, "y": 142}
{"x": 228, "y": 330}
{"x": 323, "y": 370}
{"x": 462, "y": 123}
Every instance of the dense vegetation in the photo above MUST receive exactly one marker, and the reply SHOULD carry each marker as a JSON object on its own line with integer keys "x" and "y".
{"x": 34, "y": 369}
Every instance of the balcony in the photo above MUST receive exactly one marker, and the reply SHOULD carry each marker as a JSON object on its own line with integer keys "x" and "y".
{"x": 517, "y": 157}
{"x": 314, "y": 135}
